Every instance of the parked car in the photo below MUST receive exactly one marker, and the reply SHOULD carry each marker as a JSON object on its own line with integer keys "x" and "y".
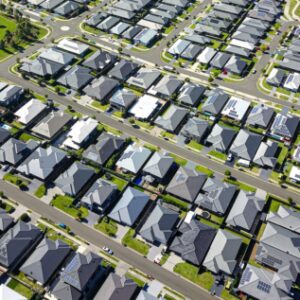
{"x": 62, "y": 225}
{"x": 107, "y": 250}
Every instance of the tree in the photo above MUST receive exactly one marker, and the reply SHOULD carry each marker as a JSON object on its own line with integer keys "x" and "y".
{"x": 227, "y": 173}
{"x": 210, "y": 79}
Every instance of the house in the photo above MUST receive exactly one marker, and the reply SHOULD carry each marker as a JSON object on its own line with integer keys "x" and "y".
{"x": 17, "y": 242}
{"x": 260, "y": 116}
{"x": 159, "y": 167}
{"x": 30, "y": 111}
{"x": 292, "y": 82}
{"x": 73, "y": 47}
{"x": 276, "y": 76}
{"x": 68, "y": 9}
{"x": 261, "y": 284}
{"x": 119, "y": 28}
{"x": 8, "y": 293}
{"x": 42, "y": 162}
{"x": 123, "y": 70}
{"x": 80, "y": 133}
{"x": 143, "y": 295}
{"x": 295, "y": 156}
{"x": 222, "y": 254}
{"x": 191, "y": 52}
{"x": 74, "y": 178}
{"x": 101, "y": 88}
{"x": 14, "y": 151}
{"x": 167, "y": 86}
{"x": 146, "y": 37}
{"x": 45, "y": 260}
{"x": 245, "y": 209}
{"x": 10, "y": 94}
{"x": 5, "y": 220}
{"x": 131, "y": 32}
{"x": 285, "y": 217}
{"x": 129, "y": 207}
{"x": 172, "y": 118}
{"x": 195, "y": 129}
{"x": 100, "y": 60}
{"x": 159, "y": 226}
{"x": 242, "y": 44}
{"x": 266, "y": 154}
{"x": 145, "y": 107}
{"x": 236, "y": 65}
{"x": 221, "y": 138}
{"x": 278, "y": 247}
{"x": 106, "y": 146}
{"x": 193, "y": 241}
{"x": 190, "y": 94}
{"x": 52, "y": 124}
{"x": 217, "y": 196}
{"x": 178, "y": 47}
{"x": 284, "y": 126}
{"x": 236, "y": 109}
{"x": 79, "y": 277}
{"x": 133, "y": 158}
{"x": 123, "y": 99}
{"x": 76, "y": 78}
{"x": 144, "y": 78}
{"x": 245, "y": 145}
{"x": 220, "y": 60}
{"x": 215, "y": 102}
{"x": 4, "y": 135}
{"x": 294, "y": 175}
{"x": 117, "y": 288}
{"x": 50, "y": 4}
{"x": 186, "y": 184}
{"x": 55, "y": 55}
{"x": 237, "y": 51}
{"x": 206, "y": 55}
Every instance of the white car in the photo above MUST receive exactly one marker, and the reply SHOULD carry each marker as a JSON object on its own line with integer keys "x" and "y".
{"x": 107, "y": 250}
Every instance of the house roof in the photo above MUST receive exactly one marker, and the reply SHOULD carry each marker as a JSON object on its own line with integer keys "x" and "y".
{"x": 172, "y": 118}
{"x": 50, "y": 4}
{"x": 100, "y": 60}
{"x": 220, "y": 60}
{"x": 143, "y": 295}
{"x": 159, "y": 225}
{"x": 4, "y": 135}
{"x": 58, "y": 56}
{"x": 158, "y": 165}
{"x": 74, "y": 178}
{"x": 244, "y": 210}
{"x": 73, "y": 46}
{"x": 41, "y": 67}
{"x": 119, "y": 28}
{"x": 168, "y": 85}
{"x": 193, "y": 241}
{"x": 285, "y": 125}
{"x": 215, "y": 102}
{"x": 178, "y": 47}
{"x": 186, "y": 184}
{"x": 42, "y": 162}
{"x": 106, "y": 145}
{"x": 123, "y": 69}
{"x": 5, "y": 220}
{"x": 265, "y": 155}
{"x": 123, "y": 98}
{"x": 222, "y": 253}
{"x": 221, "y": 137}
{"x": 144, "y": 107}
{"x": 16, "y": 241}
{"x": 45, "y": 260}
{"x": 260, "y": 115}
{"x": 246, "y": 144}
{"x": 129, "y": 207}
{"x": 217, "y": 196}
{"x": 191, "y": 93}
{"x": 65, "y": 291}
{"x": 11, "y": 93}
{"x": 144, "y": 78}
{"x": 8, "y": 293}
{"x": 275, "y": 77}
{"x": 195, "y": 128}
{"x": 133, "y": 158}
{"x": 117, "y": 288}
{"x": 206, "y": 55}
{"x": 146, "y": 36}
{"x": 236, "y": 65}
{"x": 236, "y": 108}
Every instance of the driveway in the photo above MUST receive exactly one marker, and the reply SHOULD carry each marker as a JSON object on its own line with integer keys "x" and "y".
{"x": 172, "y": 261}
{"x": 154, "y": 250}
{"x": 122, "y": 230}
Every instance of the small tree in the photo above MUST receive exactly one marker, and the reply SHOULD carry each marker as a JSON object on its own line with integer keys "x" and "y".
{"x": 227, "y": 173}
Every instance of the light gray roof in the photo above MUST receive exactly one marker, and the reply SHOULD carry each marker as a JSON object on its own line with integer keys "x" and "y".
{"x": 246, "y": 144}
{"x": 108, "y": 23}
{"x": 106, "y": 146}
{"x": 195, "y": 128}
{"x": 42, "y": 162}
{"x": 191, "y": 52}
{"x": 50, "y": 4}
{"x": 221, "y": 137}
{"x": 168, "y": 85}
{"x": 41, "y": 67}
{"x": 285, "y": 125}
{"x": 235, "y": 65}
{"x": 260, "y": 115}
{"x": 215, "y": 102}
{"x": 265, "y": 155}
{"x": 285, "y": 217}
{"x": 172, "y": 118}
{"x": 123, "y": 98}
{"x": 57, "y": 56}
{"x": 129, "y": 206}
{"x": 100, "y": 193}
{"x": 144, "y": 78}
{"x": 193, "y": 241}
{"x": 217, "y": 195}
{"x": 178, "y": 47}
{"x": 190, "y": 94}
{"x": 45, "y": 260}
{"x": 116, "y": 288}
{"x": 223, "y": 252}
{"x": 74, "y": 178}
{"x": 219, "y": 60}
{"x": 5, "y": 220}
{"x": 158, "y": 165}
{"x": 15, "y": 242}
{"x": 143, "y": 295}
{"x": 275, "y": 77}
{"x": 76, "y": 78}
{"x": 11, "y": 93}
{"x": 186, "y": 184}
{"x": 123, "y": 69}
{"x": 244, "y": 210}
{"x": 100, "y": 60}
{"x": 119, "y": 28}
{"x": 159, "y": 226}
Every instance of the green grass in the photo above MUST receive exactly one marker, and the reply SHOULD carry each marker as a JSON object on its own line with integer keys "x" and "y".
{"x": 41, "y": 191}
{"x": 137, "y": 280}
{"x": 164, "y": 258}
{"x": 191, "y": 273}
{"x": 225, "y": 294}
{"x": 14, "y": 179}
{"x": 120, "y": 183}
{"x": 100, "y": 106}
{"x": 175, "y": 201}
{"x": 26, "y": 280}
{"x": 135, "y": 244}
{"x": 168, "y": 135}
{"x": 179, "y": 160}
{"x": 73, "y": 113}
{"x": 241, "y": 185}
{"x": 217, "y": 154}
{"x": 283, "y": 153}
{"x": 142, "y": 124}
{"x": 25, "y": 137}
{"x": 65, "y": 204}
{"x": 20, "y": 288}
{"x": 204, "y": 170}
{"x": 107, "y": 226}
{"x": 261, "y": 231}
{"x": 195, "y": 145}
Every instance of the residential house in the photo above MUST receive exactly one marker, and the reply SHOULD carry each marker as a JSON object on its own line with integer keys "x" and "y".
{"x": 100, "y": 60}
{"x": 266, "y": 154}
{"x": 6, "y": 220}
{"x": 123, "y": 70}
{"x": 236, "y": 109}
{"x": 236, "y": 65}
{"x": 123, "y": 99}
{"x": 206, "y": 55}
{"x": 215, "y": 102}
{"x": 145, "y": 107}
{"x": 190, "y": 94}
{"x": 10, "y": 94}
{"x": 276, "y": 76}
{"x": 4, "y": 135}
{"x": 260, "y": 116}
{"x": 73, "y": 47}
{"x": 55, "y": 55}
{"x": 195, "y": 129}
{"x": 144, "y": 78}
{"x": 167, "y": 87}
{"x": 8, "y": 293}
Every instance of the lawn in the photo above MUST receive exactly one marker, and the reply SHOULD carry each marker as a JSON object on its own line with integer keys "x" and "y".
{"x": 25, "y": 137}
{"x": 135, "y": 244}
{"x": 283, "y": 153}
{"x": 195, "y": 145}
{"x": 191, "y": 273}
{"x": 175, "y": 201}
{"x": 243, "y": 186}
{"x": 100, "y": 106}
{"x": 137, "y": 280}
{"x": 120, "y": 183}
{"x": 107, "y": 226}
{"x": 204, "y": 170}
{"x": 20, "y": 288}
{"x": 16, "y": 180}
{"x": 179, "y": 160}
{"x": 65, "y": 204}
{"x": 218, "y": 155}
{"x": 41, "y": 191}
{"x": 227, "y": 296}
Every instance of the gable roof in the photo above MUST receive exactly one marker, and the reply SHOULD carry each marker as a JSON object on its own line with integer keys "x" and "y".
{"x": 41, "y": 67}
{"x": 159, "y": 225}
{"x": 5, "y": 220}
{"x": 265, "y": 155}
{"x": 195, "y": 128}
{"x": 168, "y": 85}
{"x": 193, "y": 241}
{"x": 144, "y": 78}
{"x": 186, "y": 184}
{"x": 260, "y": 115}
{"x": 123, "y": 98}
{"x": 100, "y": 60}
{"x": 190, "y": 93}
{"x": 215, "y": 102}
{"x": 123, "y": 69}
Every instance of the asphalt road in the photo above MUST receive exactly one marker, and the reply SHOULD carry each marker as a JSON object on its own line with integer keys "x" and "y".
{"x": 96, "y": 238}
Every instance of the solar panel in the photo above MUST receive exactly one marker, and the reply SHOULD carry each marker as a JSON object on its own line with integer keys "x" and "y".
{"x": 264, "y": 287}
